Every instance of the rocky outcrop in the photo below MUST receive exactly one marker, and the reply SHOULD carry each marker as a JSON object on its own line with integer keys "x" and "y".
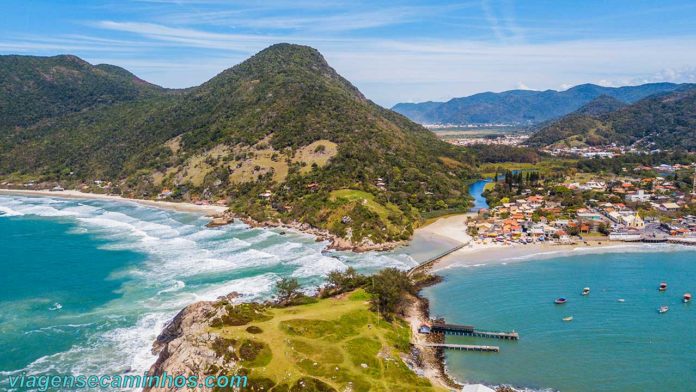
{"x": 184, "y": 345}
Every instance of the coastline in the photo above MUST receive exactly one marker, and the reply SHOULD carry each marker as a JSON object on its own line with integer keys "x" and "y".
{"x": 74, "y": 194}
{"x": 476, "y": 253}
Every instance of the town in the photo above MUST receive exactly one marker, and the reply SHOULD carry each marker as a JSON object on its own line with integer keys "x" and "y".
{"x": 527, "y": 207}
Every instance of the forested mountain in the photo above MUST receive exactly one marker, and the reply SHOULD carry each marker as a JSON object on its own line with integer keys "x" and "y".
{"x": 601, "y": 105}
{"x": 522, "y": 107}
{"x": 281, "y": 136}
{"x": 663, "y": 121}
{"x": 33, "y": 88}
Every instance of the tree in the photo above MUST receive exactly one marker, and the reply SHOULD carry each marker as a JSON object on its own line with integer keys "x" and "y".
{"x": 603, "y": 228}
{"x": 387, "y": 287}
{"x": 346, "y": 280}
{"x": 287, "y": 289}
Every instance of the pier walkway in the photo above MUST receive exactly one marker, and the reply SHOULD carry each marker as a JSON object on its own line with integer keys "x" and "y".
{"x": 468, "y": 330}
{"x": 430, "y": 261}
{"x": 463, "y": 347}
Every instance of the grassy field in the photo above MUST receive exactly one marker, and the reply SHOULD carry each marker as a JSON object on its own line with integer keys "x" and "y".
{"x": 335, "y": 344}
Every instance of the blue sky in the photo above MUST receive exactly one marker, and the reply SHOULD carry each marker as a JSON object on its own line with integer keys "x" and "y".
{"x": 405, "y": 51}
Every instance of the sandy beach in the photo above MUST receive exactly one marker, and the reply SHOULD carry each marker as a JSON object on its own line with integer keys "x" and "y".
{"x": 73, "y": 194}
{"x": 476, "y": 253}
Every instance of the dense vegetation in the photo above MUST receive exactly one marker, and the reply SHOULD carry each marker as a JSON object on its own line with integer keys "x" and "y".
{"x": 522, "y": 106}
{"x": 284, "y": 122}
{"x": 601, "y": 105}
{"x": 35, "y": 88}
{"x": 496, "y": 153}
{"x": 664, "y": 121}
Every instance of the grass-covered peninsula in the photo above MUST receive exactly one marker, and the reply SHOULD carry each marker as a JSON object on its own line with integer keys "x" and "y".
{"x": 331, "y": 344}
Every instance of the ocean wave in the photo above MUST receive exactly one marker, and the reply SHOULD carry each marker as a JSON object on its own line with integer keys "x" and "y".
{"x": 183, "y": 262}
{"x": 619, "y": 248}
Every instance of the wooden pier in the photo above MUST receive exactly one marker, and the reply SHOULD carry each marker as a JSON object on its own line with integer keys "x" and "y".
{"x": 464, "y": 347}
{"x": 468, "y": 330}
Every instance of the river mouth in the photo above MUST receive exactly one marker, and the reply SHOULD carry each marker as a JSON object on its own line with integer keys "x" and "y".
{"x": 476, "y": 191}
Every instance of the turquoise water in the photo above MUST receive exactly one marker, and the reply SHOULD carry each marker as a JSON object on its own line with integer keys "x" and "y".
{"x": 120, "y": 271}
{"x": 609, "y": 346}
{"x": 476, "y": 191}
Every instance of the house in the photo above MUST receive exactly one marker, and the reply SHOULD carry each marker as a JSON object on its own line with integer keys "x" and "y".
{"x": 476, "y": 388}
{"x": 584, "y": 214}
{"x": 638, "y": 197}
{"x": 669, "y": 206}
{"x": 165, "y": 194}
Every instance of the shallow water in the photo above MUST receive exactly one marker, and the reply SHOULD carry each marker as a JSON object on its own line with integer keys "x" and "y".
{"x": 609, "y": 346}
{"x": 120, "y": 271}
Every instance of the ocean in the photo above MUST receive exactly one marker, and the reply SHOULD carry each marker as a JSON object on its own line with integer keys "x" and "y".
{"x": 86, "y": 286}
{"x": 609, "y": 345}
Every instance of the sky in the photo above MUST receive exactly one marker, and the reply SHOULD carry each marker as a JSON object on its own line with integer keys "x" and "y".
{"x": 393, "y": 51}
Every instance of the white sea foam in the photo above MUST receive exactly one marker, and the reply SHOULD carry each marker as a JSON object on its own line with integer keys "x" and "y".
{"x": 185, "y": 262}
{"x": 7, "y": 211}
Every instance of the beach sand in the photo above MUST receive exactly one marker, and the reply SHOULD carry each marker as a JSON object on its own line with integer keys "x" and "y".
{"x": 73, "y": 194}
{"x": 475, "y": 253}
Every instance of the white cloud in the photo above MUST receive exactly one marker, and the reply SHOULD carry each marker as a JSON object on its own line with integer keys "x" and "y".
{"x": 387, "y": 70}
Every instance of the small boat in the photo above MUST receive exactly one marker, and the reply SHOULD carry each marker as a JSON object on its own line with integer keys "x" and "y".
{"x": 586, "y": 291}
{"x": 560, "y": 301}
{"x": 663, "y": 286}
{"x": 569, "y": 318}
{"x": 56, "y": 306}
{"x": 687, "y": 298}
{"x": 621, "y": 300}
{"x": 663, "y": 309}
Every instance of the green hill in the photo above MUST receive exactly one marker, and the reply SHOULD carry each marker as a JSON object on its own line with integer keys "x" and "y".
{"x": 664, "y": 121}
{"x": 523, "y": 107}
{"x": 34, "y": 88}
{"x": 284, "y": 122}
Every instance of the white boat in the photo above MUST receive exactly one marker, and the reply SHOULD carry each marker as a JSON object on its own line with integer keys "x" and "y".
{"x": 663, "y": 286}
{"x": 586, "y": 291}
{"x": 569, "y": 318}
{"x": 687, "y": 298}
{"x": 663, "y": 309}
{"x": 622, "y": 300}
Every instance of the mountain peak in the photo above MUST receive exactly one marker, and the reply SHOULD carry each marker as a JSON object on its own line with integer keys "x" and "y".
{"x": 287, "y": 55}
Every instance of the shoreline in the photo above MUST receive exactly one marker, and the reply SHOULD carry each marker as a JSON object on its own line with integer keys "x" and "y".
{"x": 475, "y": 254}
{"x": 75, "y": 194}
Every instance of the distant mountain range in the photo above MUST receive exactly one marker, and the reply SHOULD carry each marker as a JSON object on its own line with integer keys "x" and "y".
{"x": 522, "y": 107}
{"x": 280, "y": 136}
{"x": 661, "y": 121}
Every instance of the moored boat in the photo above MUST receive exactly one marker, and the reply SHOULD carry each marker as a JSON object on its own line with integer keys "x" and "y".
{"x": 560, "y": 301}
{"x": 586, "y": 291}
{"x": 687, "y": 298}
{"x": 663, "y": 309}
{"x": 663, "y": 286}
{"x": 569, "y": 318}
